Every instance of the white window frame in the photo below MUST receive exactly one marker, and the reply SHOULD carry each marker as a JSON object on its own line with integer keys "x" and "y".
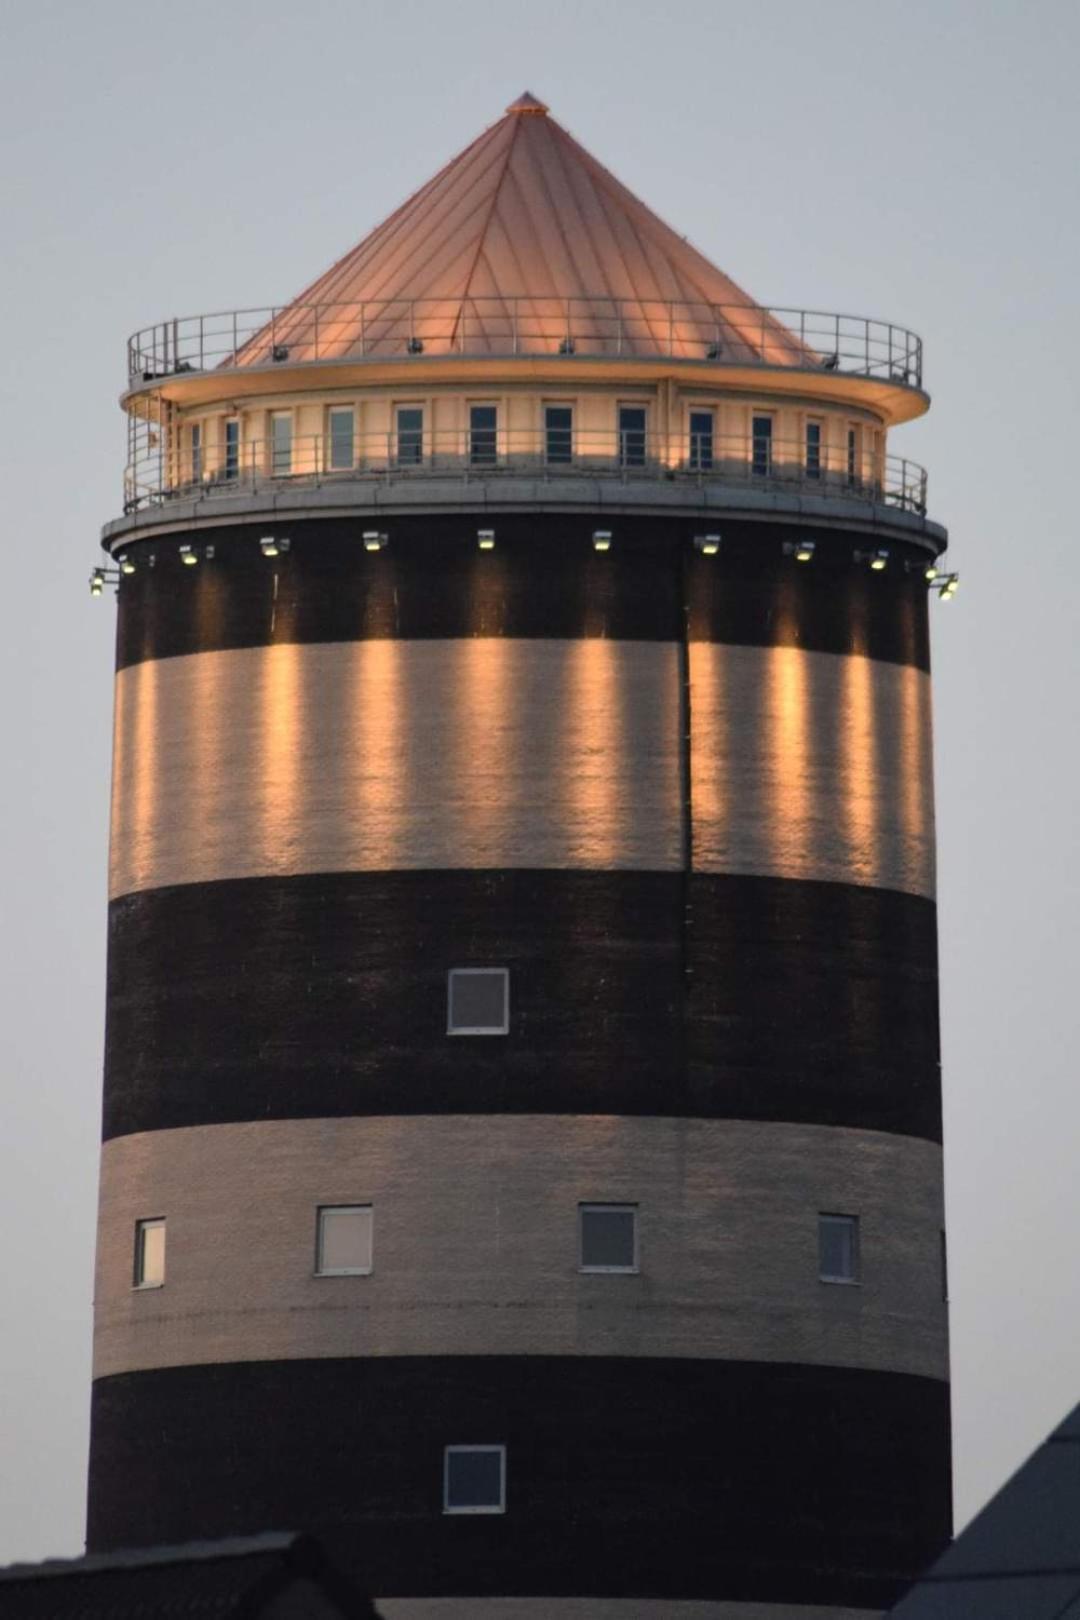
{"x": 397, "y": 407}
{"x": 282, "y": 416}
{"x": 593, "y": 1208}
{"x": 448, "y": 1452}
{"x": 559, "y": 405}
{"x": 482, "y": 1029}
{"x": 226, "y": 423}
{"x": 841, "y": 1215}
{"x": 339, "y": 408}
{"x": 142, "y": 1226}
{"x": 342, "y": 1271}
{"x": 482, "y": 405}
{"x": 703, "y": 408}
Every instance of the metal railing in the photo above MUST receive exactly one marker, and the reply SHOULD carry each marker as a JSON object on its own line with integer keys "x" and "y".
{"x": 165, "y": 471}
{"x": 609, "y": 328}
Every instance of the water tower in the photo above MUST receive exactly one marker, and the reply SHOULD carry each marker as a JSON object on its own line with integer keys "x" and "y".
{"x": 522, "y": 1114}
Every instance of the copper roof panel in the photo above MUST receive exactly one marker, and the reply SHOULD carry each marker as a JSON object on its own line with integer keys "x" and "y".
{"x": 522, "y": 239}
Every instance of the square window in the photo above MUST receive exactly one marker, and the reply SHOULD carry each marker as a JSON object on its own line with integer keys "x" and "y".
{"x": 838, "y": 1248}
{"x": 474, "y": 1479}
{"x": 608, "y": 1238}
{"x": 478, "y": 1001}
{"x": 343, "y": 1245}
{"x": 150, "y": 1253}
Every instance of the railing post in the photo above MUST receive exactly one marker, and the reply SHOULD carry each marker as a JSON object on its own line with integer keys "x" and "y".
{"x": 866, "y": 336}
{"x": 671, "y": 330}
{"x": 515, "y": 321}
{"x": 176, "y": 343}
{"x": 762, "y": 355}
{"x": 235, "y": 345}
{"x": 202, "y": 357}
{"x": 363, "y": 334}
{"x": 316, "y": 309}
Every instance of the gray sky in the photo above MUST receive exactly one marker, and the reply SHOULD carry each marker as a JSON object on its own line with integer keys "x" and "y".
{"x": 912, "y": 160}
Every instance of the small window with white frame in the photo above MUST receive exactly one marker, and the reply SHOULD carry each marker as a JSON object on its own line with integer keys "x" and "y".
{"x": 812, "y": 461}
{"x": 149, "y": 1270}
{"x": 702, "y": 433}
{"x": 478, "y": 1001}
{"x": 608, "y": 1237}
{"x": 409, "y": 427}
{"x": 761, "y": 444}
{"x": 344, "y": 1240}
{"x": 281, "y": 437}
{"x": 230, "y": 447}
{"x": 483, "y": 435}
{"x": 474, "y": 1479}
{"x": 558, "y": 434}
{"x": 838, "y": 1248}
{"x": 341, "y": 437}
{"x": 195, "y": 442}
{"x": 633, "y": 435}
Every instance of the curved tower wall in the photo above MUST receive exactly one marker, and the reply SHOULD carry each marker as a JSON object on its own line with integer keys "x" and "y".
{"x": 686, "y": 801}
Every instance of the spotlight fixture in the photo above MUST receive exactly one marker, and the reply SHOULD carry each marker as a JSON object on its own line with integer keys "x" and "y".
{"x": 930, "y": 573}
{"x": 100, "y": 577}
{"x": 279, "y": 352}
{"x": 948, "y": 586}
{"x": 374, "y": 541}
{"x": 707, "y": 544}
{"x": 567, "y": 346}
{"x": 127, "y": 564}
{"x": 831, "y": 362}
{"x": 485, "y": 539}
{"x": 878, "y": 560}
{"x": 272, "y": 545}
{"x": 415, "y": 345}
{"x": 601, "y": 540}
{"x": 189, "y": 555}
{"x": 712, "y": 351}
{"x": 801, "y": 550}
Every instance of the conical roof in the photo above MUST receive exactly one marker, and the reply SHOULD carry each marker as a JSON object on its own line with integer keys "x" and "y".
{"x": 523, "y": 242}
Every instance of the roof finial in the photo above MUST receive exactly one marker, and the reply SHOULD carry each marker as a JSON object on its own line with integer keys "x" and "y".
{"x": 527, "y": 103}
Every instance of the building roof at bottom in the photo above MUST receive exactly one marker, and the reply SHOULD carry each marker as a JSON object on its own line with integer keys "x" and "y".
{"x": 284, "y": 1575}
{"x": 1020, "y": 1558}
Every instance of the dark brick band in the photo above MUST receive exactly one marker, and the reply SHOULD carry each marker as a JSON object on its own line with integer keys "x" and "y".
{"x": 681, "y": 1479}
{"x": 325, "y": 995}
{"x": 542, "y": 580}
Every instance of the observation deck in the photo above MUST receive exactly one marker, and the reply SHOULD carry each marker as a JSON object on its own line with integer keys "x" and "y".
{"x": 228, "y": 370}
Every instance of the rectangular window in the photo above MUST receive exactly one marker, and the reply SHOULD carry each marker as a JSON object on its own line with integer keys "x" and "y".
{"x": 607, "y": 1237}
{"x": 342, "y": 425}
{"x": 852, "y": 454}
{"x": 838, "y": 1248}
{"x": 478, "y": 1001}
{"x": 813, "y": 449}
{"x": 761, "y": 446}
{"x": 196, "y": 451}
{"x": 483, "y": 443}
{"x": 474, "y": 1479}
{"x": 559, "y": 433}
{"x": 701, "y": 441}
{"x": 343, "y": 1244}
{"x": 410, "y": 435}
{"x": 281, "y": 443}
{"x": 632, "y": 435}
{"x": 150, "y": 1253}
{"x": 231, "y": 461}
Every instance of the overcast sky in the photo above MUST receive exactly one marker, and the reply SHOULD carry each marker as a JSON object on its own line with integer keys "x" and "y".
{"x": 912, "y": 160}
